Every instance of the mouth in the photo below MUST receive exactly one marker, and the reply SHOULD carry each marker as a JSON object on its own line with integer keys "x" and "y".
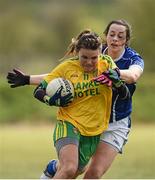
{"x": 89, "y": 68}
{"x": 114, "y": 45}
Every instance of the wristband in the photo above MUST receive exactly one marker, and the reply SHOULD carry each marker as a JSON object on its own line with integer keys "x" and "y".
{"x": 27, "y": 79}
{"x": 46, "y": 99}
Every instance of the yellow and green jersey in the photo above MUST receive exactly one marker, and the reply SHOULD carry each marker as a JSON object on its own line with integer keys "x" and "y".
{"x": 91, "y": 107}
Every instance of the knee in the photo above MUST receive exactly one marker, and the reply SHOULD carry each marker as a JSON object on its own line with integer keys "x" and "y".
{"x": 94, "y": 173}
{"x": 70, "y": 171}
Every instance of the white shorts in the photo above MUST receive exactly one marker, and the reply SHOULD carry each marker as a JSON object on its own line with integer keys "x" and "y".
{"x": 117, "y": 134}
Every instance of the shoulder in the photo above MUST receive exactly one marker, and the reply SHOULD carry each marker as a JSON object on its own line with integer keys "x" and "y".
{"x": 75, "y": 58}
{"x": 63, "y": 68}
{"x": 134, "y": 57}
{"x": 105, "y": 57}
{"x": 107, "y": 61}
{"x": 129, "y": 52}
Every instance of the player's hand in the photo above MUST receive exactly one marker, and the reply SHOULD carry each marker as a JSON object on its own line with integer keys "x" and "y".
{"x": 102, "y": 79}
{"x": 114, "y": 76}
{"x": 110, "y": 77}
{"x": 58, "y": 100}
{"x": 17, "y": 78}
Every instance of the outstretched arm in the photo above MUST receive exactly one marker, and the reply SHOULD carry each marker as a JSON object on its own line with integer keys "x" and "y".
{"x": 36, "y": 79}
{"x": 17, "y": 78}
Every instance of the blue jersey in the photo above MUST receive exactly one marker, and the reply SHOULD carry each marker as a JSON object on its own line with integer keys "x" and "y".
{"x": 123, "y": 108}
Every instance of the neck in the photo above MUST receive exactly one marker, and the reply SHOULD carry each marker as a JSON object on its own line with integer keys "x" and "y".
{"x": 114, "y": 54}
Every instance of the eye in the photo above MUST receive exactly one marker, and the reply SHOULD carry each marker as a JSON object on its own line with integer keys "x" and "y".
{"x": 94, "y": 58}
{"x": 120, "y": 37}
{"x": 84, "y": 57}
{"x": 112, "y": 35}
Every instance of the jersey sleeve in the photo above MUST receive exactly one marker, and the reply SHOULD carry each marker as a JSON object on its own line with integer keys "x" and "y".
{"x": 58, "y": 71}
{"x": 137, "y": 61}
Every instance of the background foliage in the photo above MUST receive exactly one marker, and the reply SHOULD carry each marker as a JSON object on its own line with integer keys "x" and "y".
{"x": 34, "y": 35}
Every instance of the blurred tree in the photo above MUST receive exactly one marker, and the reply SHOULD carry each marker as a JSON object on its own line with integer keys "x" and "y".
{"x": 140, "y": 14}
{"x": 38, "y": 32}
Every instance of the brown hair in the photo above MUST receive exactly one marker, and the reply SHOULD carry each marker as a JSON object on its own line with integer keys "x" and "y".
{"x": 123, "y": 23}
{"x": 87, "y": 39}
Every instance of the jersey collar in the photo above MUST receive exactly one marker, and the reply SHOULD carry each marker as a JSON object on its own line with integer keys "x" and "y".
{"x": 105, "y": 50}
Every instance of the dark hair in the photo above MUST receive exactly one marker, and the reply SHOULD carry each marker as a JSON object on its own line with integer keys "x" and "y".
{"x": 123, "y": 23}
{"x": 87, "y": 39}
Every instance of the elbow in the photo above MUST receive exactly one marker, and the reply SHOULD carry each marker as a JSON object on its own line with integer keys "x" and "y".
{"x": 133, "y": 79}
{"x": 39, "y": 94}
{"x": 130, "y": 76}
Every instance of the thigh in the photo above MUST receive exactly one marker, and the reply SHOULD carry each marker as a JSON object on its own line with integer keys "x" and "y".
{"x": 66, "y": 141}
{"x": 68, "y": 155}
{"x": 101, "y": 161}
{"x": 87, "y": 148}
{"x": 103, "y": 157}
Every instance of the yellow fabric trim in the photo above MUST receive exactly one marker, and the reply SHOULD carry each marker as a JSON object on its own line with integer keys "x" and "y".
{"x": 65, "y": 130}
{"x": 57, "y": 128}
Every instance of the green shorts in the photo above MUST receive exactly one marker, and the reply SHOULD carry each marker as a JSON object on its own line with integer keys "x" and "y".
{"x": 65, "y": 133}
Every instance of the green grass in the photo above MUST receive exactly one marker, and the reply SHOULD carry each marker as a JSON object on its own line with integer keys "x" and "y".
{"x": 138, "y": 158}
{"x": 25, "y": 150}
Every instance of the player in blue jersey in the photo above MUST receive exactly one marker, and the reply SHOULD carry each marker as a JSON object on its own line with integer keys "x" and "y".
{"x": 131, "y": 65}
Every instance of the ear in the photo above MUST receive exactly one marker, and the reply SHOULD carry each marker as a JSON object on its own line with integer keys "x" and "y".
{"x": 127, "y": 43}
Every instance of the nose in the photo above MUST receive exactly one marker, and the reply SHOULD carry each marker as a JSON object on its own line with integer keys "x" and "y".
{"x": 89, "y": 61}
{"x": 115, "y": 38}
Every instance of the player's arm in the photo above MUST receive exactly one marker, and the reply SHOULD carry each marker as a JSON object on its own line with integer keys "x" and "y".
{"x": 36, "y": 79}
{"x": 55, "y": 100}
{"x": 17, "y": 78}
{"x": 131, "y": 75}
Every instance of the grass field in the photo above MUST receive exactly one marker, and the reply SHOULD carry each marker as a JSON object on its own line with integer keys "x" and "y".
{"x": 25, "y": 150}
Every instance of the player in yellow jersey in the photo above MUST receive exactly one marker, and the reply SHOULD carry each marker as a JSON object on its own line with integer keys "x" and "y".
{"x": 83, "y": 120}
{"x": 83, "y": 110}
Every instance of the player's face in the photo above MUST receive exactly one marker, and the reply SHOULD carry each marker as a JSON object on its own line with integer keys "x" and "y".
{"x": 116, "y": 37}
{"x": 88, "y": 59}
